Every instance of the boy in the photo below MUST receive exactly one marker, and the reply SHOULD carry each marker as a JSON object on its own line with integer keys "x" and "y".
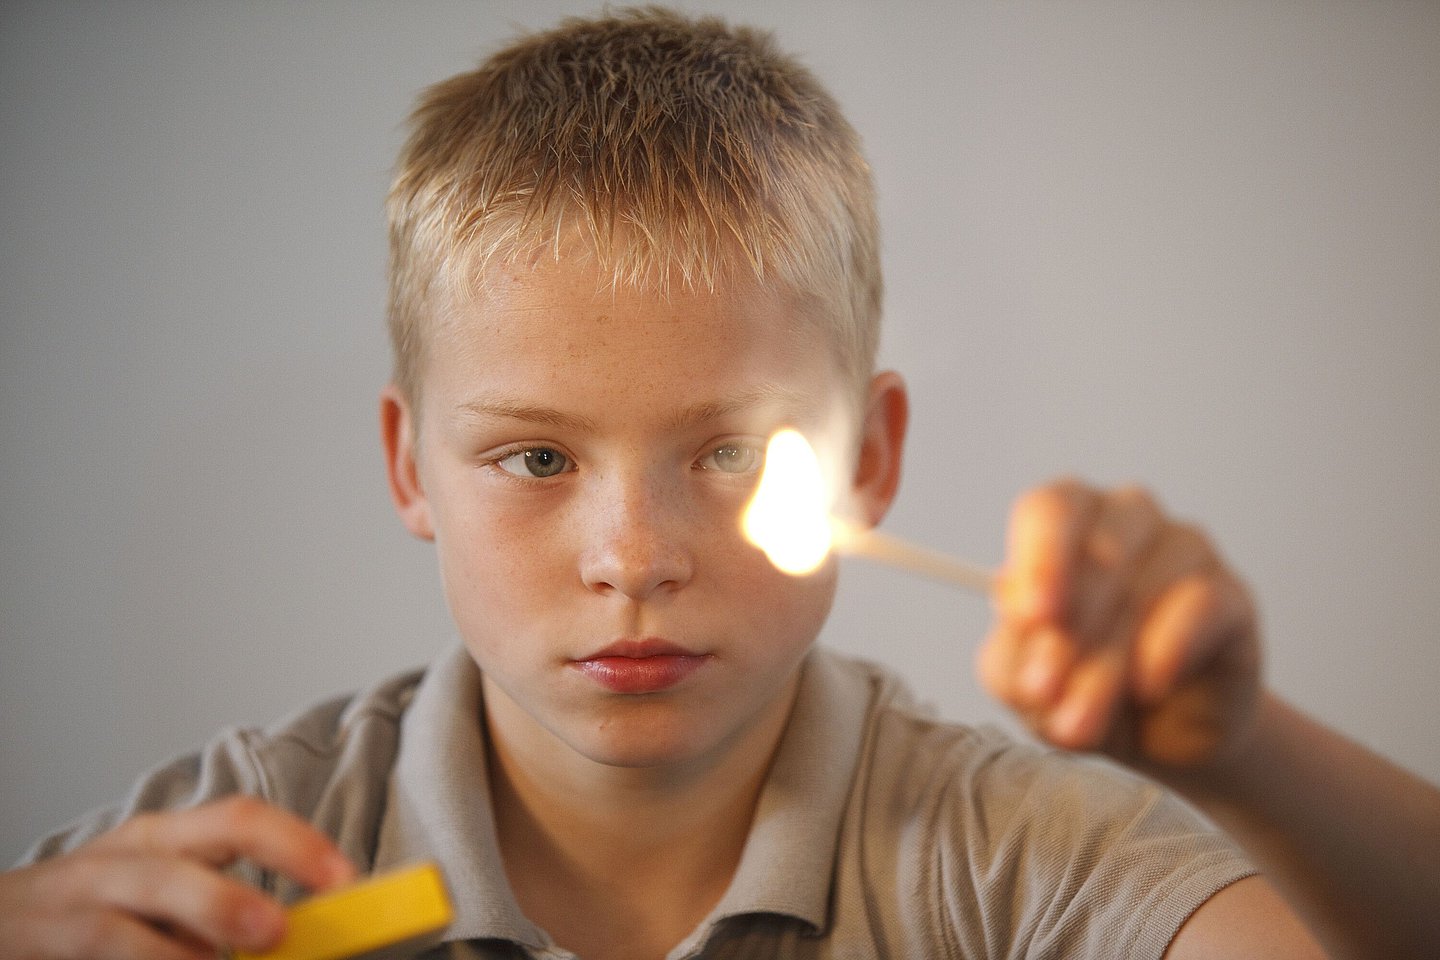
{"x": 625, "y": 252}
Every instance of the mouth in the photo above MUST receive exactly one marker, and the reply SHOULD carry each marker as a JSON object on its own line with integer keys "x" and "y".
{"x": 640, "y": 666}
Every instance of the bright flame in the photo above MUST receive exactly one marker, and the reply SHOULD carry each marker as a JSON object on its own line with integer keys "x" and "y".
{"x": 789, "y": 516}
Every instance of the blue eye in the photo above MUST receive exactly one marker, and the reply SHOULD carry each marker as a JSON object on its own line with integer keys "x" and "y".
{"x": 538, "y": 462}
{"x": 733, "y": 457}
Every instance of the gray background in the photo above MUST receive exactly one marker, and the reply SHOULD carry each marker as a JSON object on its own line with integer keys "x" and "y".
{"x": 1191, "y": 244}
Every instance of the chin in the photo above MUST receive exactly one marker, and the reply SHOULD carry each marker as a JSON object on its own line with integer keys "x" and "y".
{"x": 649, "y": 740}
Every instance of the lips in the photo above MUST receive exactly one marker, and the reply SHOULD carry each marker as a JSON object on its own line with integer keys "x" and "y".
{"x": 640, "y": 666}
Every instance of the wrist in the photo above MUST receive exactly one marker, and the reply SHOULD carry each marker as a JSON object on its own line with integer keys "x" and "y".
{"x": 1240, "y": 770}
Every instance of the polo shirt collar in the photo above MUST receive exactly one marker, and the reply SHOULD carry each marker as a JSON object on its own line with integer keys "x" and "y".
{"x": 788, "y": 861}
{"x": 439, "y": 804}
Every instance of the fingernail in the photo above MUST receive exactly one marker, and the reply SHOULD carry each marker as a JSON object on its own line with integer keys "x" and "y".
{"x": 340, "y": 868}
{"x": 1069, "y": 725}
{"x": 1037, "y": 678}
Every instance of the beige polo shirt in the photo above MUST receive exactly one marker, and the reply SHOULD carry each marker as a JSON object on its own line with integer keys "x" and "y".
{"x": 880, "y": 831}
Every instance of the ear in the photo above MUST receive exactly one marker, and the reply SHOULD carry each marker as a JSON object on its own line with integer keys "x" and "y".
{"x": 882, "y": 444}
{"x": 397, "y": 434}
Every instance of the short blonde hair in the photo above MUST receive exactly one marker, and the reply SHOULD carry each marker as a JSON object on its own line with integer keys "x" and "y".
{"x": 672, "y": 149}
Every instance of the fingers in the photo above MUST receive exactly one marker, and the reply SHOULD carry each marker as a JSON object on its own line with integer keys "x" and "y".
{"x": 1064, "y": 696}
{"x": 1047, "y": 526}
{"x": 105, "y": 935}
{"x": 189, "y": 897}
{"x": 153, "y": 887}
{"x": 1046, "y": 660}
{"x": 1120, "y": 541}
{"x": 1106, "y": 608}
{"x": 240, "y": 827}
{"x": 1189, "y": 625}
{"x": 119, "y": 904}
{"x": 1084, "y": 716}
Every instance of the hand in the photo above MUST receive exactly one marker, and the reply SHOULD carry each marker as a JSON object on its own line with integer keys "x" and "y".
{"x": 152, "y": 887}
{"x": 1120, "y": 630}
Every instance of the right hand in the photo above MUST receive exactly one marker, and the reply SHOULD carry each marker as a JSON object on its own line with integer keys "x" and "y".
{"x": 152, "y": 888}
{"x": 1122, "y": 629}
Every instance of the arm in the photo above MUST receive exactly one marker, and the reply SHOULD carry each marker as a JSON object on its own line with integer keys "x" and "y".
{"x": 1351, "y": 841}
{"x": 1122, "y": 631}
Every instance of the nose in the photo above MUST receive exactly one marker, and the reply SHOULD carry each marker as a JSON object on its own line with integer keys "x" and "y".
{"x": 636, "y": 539}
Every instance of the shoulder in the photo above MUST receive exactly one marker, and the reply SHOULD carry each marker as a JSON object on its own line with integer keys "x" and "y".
{"x": 991, "y": 782}
{"x": 353, "y": 728}
{"x": 338, "y": 746}
{"x": 328, "y": 763}
{"x": 991, "y": 841}
{"x": 911, "y": 757}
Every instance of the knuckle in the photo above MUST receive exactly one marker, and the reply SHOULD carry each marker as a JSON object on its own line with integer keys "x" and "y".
{"x": 138, "y": 829}
{"x": 1054, "y": 497}
{"x": 223, "y": 910}
{"x": 1192, "y": 543}
{"x": 240, "y": 809}
{"x": 1138, "y": 500}
{"x": 1042, "y": 514}
{"x": 1190, "y": 532}
{"x": 1108, "y": 548}
{"x": 65, "y": 879}
{"x": 1027, "y": 504}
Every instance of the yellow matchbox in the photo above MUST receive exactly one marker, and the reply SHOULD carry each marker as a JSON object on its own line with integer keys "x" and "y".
{"x": 364, "y": 916}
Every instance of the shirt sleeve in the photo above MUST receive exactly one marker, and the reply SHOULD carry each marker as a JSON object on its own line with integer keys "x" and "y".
{"x": 1072, "y": 856}
{"x": 971, "y": 843}
{"x": 329, "y": 764}
{"x": 225, "y": 766}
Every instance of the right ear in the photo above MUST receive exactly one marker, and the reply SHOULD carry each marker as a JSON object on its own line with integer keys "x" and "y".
{"x": 397, "y": 433}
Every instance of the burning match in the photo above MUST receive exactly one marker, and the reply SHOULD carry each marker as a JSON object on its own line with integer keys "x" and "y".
{"x": 790, "y": 518}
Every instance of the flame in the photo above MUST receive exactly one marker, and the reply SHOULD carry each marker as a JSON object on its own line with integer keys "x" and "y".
{"x": 789, "y": 515}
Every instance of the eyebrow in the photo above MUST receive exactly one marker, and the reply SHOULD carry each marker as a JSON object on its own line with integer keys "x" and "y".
{"x": 766, "y": 395}
{"x": 530, "y": 413}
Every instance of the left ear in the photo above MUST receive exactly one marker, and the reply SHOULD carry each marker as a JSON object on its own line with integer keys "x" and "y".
{"x": 882, "y": 443}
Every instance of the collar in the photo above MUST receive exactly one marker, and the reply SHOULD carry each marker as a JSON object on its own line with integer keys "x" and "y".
{"x": 789, "y": 858}
{"x": 439, "y": 803}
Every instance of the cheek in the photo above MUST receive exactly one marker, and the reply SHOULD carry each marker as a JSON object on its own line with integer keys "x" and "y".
{"x": 491, "y": 565}
{"x": 773, "y": 603}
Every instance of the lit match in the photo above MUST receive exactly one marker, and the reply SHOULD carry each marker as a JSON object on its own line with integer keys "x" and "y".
{"x": 790, "y": 517}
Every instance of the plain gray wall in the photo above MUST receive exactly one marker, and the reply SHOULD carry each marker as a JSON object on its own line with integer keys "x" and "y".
{"x": 1191, "y": 244}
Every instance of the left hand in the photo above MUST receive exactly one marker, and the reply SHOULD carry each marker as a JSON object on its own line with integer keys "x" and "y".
{"x": 1120, "y": 630}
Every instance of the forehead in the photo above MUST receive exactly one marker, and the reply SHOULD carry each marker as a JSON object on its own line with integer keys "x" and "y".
{"x": 565, "y": 292}
{"x": 563, "y": 332}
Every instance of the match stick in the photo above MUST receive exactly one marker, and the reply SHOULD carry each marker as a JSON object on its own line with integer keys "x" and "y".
{"x": 871, "y": 544}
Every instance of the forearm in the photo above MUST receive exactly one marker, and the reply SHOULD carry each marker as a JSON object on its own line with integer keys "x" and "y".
{"x": 1351, "y": 840}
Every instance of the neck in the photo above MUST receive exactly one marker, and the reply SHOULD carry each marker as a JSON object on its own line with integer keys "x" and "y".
{"x": 590, "y": 847}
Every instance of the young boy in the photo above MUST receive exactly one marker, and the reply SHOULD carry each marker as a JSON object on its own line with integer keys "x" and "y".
{"x": 624, "y": 253}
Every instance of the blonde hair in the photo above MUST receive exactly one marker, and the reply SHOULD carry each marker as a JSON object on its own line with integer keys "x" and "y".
{"x": 672, "y": 149}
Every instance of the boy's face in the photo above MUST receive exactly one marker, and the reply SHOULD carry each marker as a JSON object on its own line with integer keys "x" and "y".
{"x": 584, "y": 458}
